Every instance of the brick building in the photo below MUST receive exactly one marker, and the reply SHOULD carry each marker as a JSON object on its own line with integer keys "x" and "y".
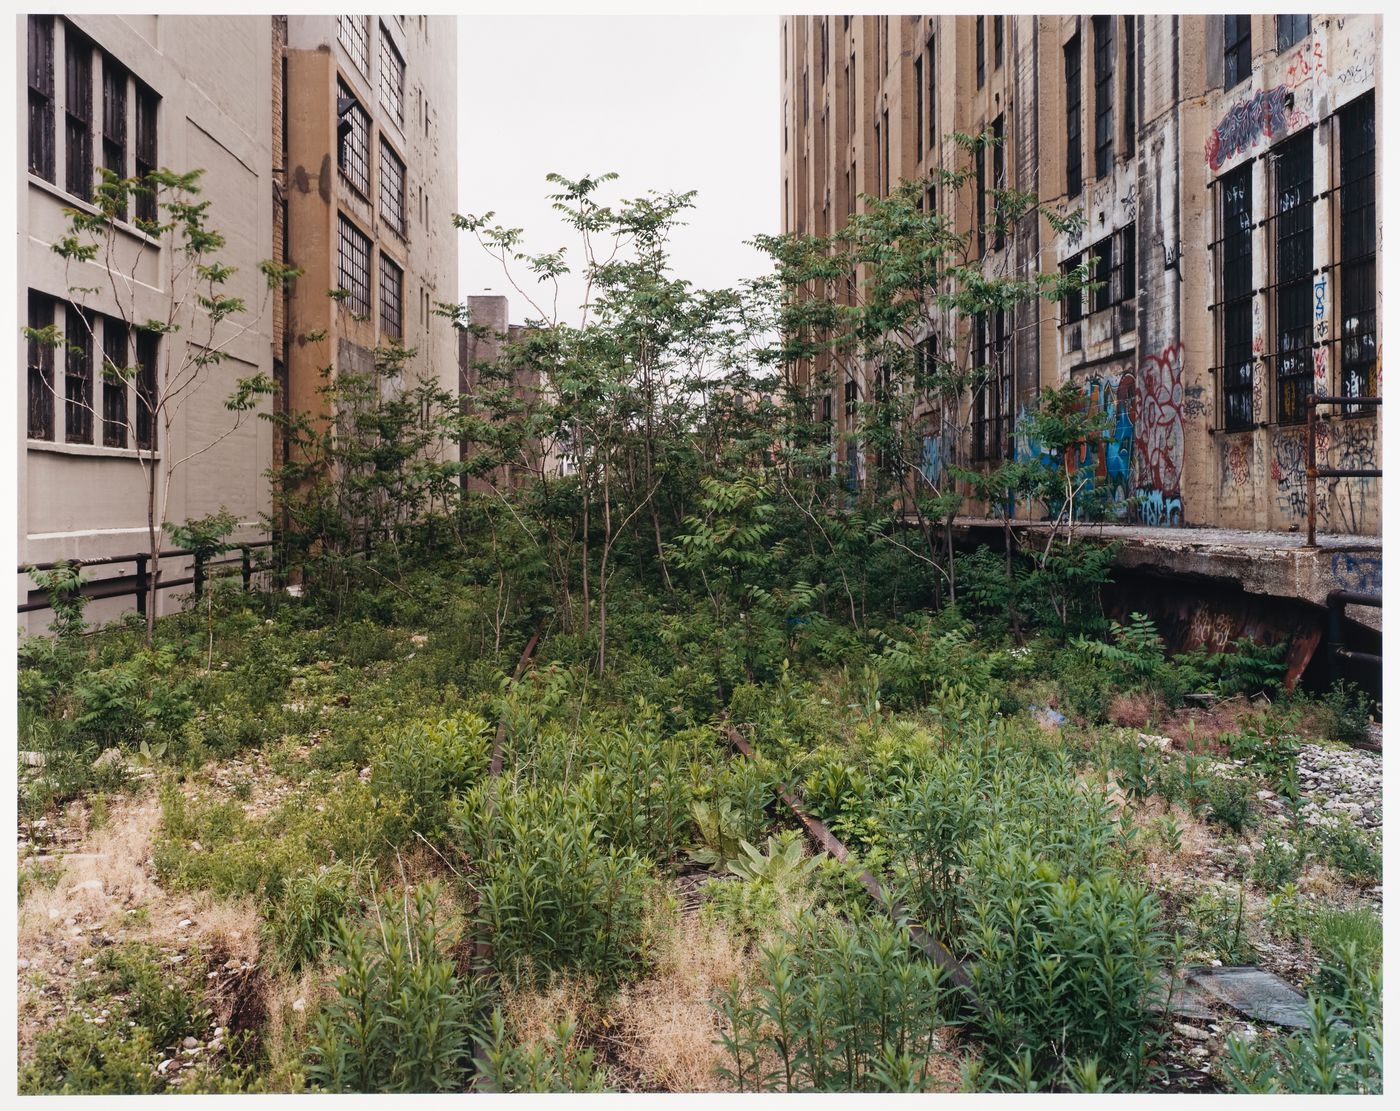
{"x": 1226, "y": 167}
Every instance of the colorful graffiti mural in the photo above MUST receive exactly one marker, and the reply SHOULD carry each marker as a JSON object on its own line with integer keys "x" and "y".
{"x": 931, "y": 465}
{"x": 1161, "y": 441}
{"x": 1265, "y": 115}
{"x": 1110, "y": 462}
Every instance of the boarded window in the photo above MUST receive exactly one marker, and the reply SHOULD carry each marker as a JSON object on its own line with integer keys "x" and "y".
{"x": 77, "y": 131}
{"x": 77, "y": 384}
{"x": 41, "y": 385}
{"x": 114, "y": 83}
{"x": 41, "y": 97}
{"x": 147, "y": 395}
{"x": 146, "y": 102}
{"x": 116, "y": 354}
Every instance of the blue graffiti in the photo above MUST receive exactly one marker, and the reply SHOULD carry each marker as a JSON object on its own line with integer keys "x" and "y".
{"x": 1361, "y": 573}
{"x": 932, "y": 465}
{"x": 1156, "y": 509}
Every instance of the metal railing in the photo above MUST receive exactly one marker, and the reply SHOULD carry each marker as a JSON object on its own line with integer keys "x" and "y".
{"x": 140, "y": 584}
{"x": 1314, "y": 471}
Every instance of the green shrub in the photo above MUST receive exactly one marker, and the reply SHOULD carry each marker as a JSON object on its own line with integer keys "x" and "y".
{"x": 303, "y": 923}
{"x": 840, "y": 1007}
{"x": 1216, "y": 927}
{"x": 1276, "y": 864}
{"x": 1346, "y": 713}
{"x": 553, "y": 1066}
{"x": 400, "y": 1018}
{"x": 1229, "y": 802}
{"x": 1062, "y": 967}
{"x": 428, "y": 764}
{"x": 1333, "y": 932}
{"x": 165, "y": 1001}
{"x": 77, "y": 1057}
{"x": 1351, "y": 850}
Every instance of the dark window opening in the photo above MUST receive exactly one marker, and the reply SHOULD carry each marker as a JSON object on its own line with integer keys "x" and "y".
{"x": 885, "y": 160}
{"x": 1292, "y": 29}
{"x": 147, "y": 352}
{"x": 980, "y": 172}
{"x": 1074, "y": 143}
{"x": 918, "y": 109}
{"x": 390, "y": 298}
{"x": 1103, "y": 95}
{"x": 1293, "y": 276}
{"x": 354, "y": 148}
{"x": 997, "y": 34}
{"x": 77, "y": 57}
{"x": 353, "y": 268}
{"x": 991, "y": 408}
{"x": 1129, "y": 84}
{"x": 114, "y": 82}
{"x": 981, "y": 51}
{"x": 77, "y": 379}
{"x": 146, "y": 100}
{"x": 41, "y": 97}
{"x": 1237, "y": 295}
{"x": 999, "y": 179}
{"x": 116, "y": 353}
{"x": 1073, "y": 302}
{"x": 1358, "y": 249}
{"x": 41, "y": 387}
{"x": 931, "y": 99}
{"x": 1237, "y": 49}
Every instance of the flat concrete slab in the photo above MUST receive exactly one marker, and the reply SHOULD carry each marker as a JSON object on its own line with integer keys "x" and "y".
{"x": 1252, "y": 991}
{"x": 1186, "y": 1001}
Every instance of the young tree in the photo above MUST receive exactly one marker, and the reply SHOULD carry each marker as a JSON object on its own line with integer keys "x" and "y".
{"x": 197, "y": 309}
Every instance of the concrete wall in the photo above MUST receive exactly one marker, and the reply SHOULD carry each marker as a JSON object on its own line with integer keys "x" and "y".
{"x": 87, "y": 500}
{"x": 1149, "y": 362}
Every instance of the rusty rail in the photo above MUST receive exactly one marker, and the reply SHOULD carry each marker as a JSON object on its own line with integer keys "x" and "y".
{"x": 818, "y": 831}
{"x": 1314, "y": 471}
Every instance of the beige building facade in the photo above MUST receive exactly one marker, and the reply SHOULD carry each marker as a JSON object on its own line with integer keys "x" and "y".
{"x": 1227, "y": 170}
{"x": 327, "y": 143}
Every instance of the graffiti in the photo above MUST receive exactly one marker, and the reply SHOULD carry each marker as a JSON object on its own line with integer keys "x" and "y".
{"x": 1358, "y": 74}
{"x": 1129, "y": 202}
{"x": 1361, "y": 573}
{"x": 1027, "y": 446}
{"x": 1320, "y": 369}
{"x": 1160, "y": 440}
{"x": 1356, "y": 447}
{"x": 1306, "y": 65}
{"x": 1154, "y": 508}
{"x": 1323, "y": 438}
{"x": 1195, "y": 403}
{"x": 1210, "y": 630}
{"x": 1236, "y": 466}
{"x": 1289, "y": 471}
{"x": 1110, "y": 462}
{"x": 1263, "y": 116}
{"x": 932, "y": 464}
{"x": 1320, "y": 298}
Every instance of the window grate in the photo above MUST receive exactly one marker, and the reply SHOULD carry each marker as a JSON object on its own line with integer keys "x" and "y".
{"x": 146, "y": 101}
{"x": 390, "y": 298}
{"x": 1237, "y": 343}
{"x": 981, "y": 51}
{"x": 998, "y": 33}
{"x": 354, "y": 267}
{"x": 1357, "y": 256}
{"x": 114, "y": 82}
{"x": 391, "y": 76}
{"x": 1293, "y": 277}
{"x": 77, "y": 384}
{"x": 999, "y": 178}
{"x": 41, "y": 97}
{"x": 41, "y": 386}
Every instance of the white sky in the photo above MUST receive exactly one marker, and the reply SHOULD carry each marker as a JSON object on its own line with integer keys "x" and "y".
{"x": 670, "y": 102}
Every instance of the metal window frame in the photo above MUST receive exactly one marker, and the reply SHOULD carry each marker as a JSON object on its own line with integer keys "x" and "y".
{"x": 391, "y": 62}
{"x": 77, "y": 112}
{"x": 390, "y": 297}
{"x": 147, "y": 360}
{"x": 354, "y": 265}
{"x": 40, "y": 64}
{"x": 1296, "y": 31}
{"x": 1074, "y": 110}
{"x": 1232, "y": 48}
{"x": 116, "y": 81}
{"x": 40, "y": 402}
{"x": 391, "y": 166}
{"x": 1104, "y": 46}
{"x": 353, "y": 33}
{"x": 147, "y": 147}
{"x": 77, "y": 376}
{"x": 115, "y": 404}
{"x": 1290, "y": 372}
{"x": 981, "y": 51}
{"x": 1222, "y": 306}
{"x": 353, "y": 153}
{"x": 1356, "y": 263}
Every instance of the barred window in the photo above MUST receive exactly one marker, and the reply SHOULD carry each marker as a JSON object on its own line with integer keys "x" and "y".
{"x": 1292, "y": 29}
{"x": 930, "y": 77}
{"x": 146, "y": 101}
{"x": 354, "y": 150}
{"x": 391, "y": 187}
{"x": 390, "y": 297}
{"x": 41, "y": 386}
{"x": 1129, "y": 83}
{"x": 998, "y": 30}
{"x": 1358, "y": 248}
{"x": 1074, "y": 142}
{"x": 116, "y": 353}
{"x": 77, "y": 384}
{"x": 1103, "y": 95}
{"x": 1237, "y": 49}
{"x": 1073, "y": 302}
{"x": 114, "y": 82}
{"x": 354, "y": 267}
{"x": 980, "y": 173}
{"x": 991, "y": 403}
{"x": 981, "y": 51}
{"x": 1293, "y": 276}
{"x": 354, "y": 36}
{"x": 1237, "y": 286}
{"x": 999, "y": 178}
{"x": 391, "y": 76}
{"x": 147, "y": 397}
{"x": 918, "y": 109}
{"x": 77, "y": 59}
{"x": 41, "y": 96}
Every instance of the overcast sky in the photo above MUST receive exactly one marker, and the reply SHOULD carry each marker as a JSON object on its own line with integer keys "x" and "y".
{"x": 667, "y": 102}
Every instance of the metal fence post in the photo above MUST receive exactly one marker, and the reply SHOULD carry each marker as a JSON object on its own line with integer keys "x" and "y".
{"x": 247, "y": 568}
{"x": 198, "y": 575}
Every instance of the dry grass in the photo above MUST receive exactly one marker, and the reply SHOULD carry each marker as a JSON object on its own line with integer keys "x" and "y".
{"x": 667, "y": 1027}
